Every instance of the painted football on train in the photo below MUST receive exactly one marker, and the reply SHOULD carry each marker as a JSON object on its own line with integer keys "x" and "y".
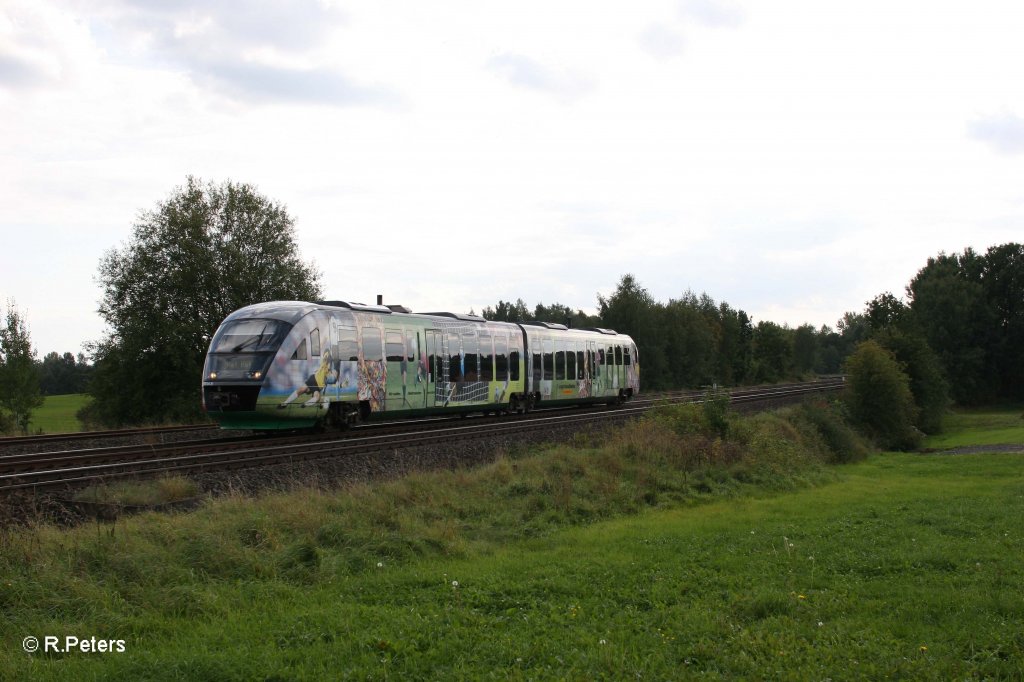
{"x": 292, "y": 364}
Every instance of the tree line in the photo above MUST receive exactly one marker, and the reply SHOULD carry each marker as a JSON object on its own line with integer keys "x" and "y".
{"x": 210, "y": 248}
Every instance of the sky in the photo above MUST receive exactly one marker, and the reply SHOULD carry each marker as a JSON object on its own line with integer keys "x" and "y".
{"x": 793, "y": 158}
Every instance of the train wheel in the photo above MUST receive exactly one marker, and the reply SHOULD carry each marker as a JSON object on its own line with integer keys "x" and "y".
{"x": 513, "y": 405}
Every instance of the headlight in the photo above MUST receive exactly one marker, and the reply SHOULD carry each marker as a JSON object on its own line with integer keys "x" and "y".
{"x": 213, "y": 375}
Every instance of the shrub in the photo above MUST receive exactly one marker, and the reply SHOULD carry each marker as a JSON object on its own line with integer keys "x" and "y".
{"x": 879, "y": 398}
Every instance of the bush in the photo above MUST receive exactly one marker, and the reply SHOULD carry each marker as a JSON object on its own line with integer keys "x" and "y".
{"x": 879, "y": 398}
{"x": 842, "y": 443}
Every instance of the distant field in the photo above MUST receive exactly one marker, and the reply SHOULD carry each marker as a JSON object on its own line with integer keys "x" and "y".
{"x": 980, "y": 426}
{"x": 57, "y": 415}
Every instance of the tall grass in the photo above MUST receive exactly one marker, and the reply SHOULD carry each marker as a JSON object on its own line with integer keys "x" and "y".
{"x": 308, "y": 534}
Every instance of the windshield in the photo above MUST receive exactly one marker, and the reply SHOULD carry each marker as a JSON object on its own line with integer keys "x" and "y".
{"x": 250, "y": 336}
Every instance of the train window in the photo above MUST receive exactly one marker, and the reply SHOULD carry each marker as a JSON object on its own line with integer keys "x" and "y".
{"x": 513, "y": 360}
{"x": 348, "y": 349}
{"x": 595, "y": 367}
{"x": 618, "y": 356}
{"x": 249, "y": 335}
{"x": 486, "y": 358}
{"x": 609, "y": 356}
{"x": 454, "y": 358}
{"x": 570, "y": 365}
{"x": 314, "y": 343}
{"x": 372, "y": 349}
{"x": 549, "y": 360}
{"x": 600, "y": 356}
{"x": 501, "y": 357}
{"x": 395, "y": 351}
{"x": 580, "y": 365}
{"x": 559, "y": 364}
{"x": 300, "y": 352}
{"x": 625, "y": 355}
{"x": 538, "y": 366}
{"x": 470, "y": 350}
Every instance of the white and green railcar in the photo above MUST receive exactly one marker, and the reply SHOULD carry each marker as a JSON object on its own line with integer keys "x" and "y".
{"x": 292, "y": 364}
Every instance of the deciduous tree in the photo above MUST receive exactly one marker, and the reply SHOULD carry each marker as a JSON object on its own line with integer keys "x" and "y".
{"x": 19, "y": 376}
{"x": 879, "y": 398}
{"x": 205, "y": 251}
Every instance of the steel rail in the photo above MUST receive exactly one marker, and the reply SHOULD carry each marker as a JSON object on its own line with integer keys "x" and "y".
{"x": 242, "y": 454}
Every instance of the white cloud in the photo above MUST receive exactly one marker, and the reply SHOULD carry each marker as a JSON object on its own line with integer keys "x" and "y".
{"x": 662, "y": 41}
{"x": 448, "y": 155}
{"x": 712, "y": 13}
{"x": 1004, "y": 133}
{"x": 524, "y": 72}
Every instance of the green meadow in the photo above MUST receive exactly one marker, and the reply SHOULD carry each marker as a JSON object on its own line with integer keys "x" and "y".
{"x": 616, "y": 560}
{"x": 58, "y": 414}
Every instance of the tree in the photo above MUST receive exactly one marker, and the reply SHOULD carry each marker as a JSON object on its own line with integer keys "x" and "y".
{"x": 879, "y": 398}
{"x": 949, "y": 307}
{"x": 206, "y": 250}
{"x": 19, "y": 376}
{"x": 805, "y": 349}
{"x": 631, "y": 310}
{"x": 63, "y": 374}
{"x": 507, "y": 312}
{"x": 884, "y": 311}
{"x": 773, "y": 352}
{"x": 928, "y": 384}
{"x": 689, "y": 341}
{"x": 1002, "y": 280}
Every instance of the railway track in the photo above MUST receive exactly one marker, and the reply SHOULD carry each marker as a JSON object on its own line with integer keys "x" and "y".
{"x": 74, "y": 468}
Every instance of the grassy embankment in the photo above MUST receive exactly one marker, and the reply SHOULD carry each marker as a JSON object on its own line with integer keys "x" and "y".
{"x": 663, "y": 553}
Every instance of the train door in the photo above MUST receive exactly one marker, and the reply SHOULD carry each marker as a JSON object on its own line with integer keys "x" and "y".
{"x": 346, "y": 357}
{"x": 620, "y": 374}
{"x": 433, "y": 374}
{"x": 397, "y": 371}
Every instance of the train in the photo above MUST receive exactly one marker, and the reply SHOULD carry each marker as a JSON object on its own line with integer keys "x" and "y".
{"x": 313, "y": 365}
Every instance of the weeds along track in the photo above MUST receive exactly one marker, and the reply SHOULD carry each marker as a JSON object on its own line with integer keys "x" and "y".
{"x": 74, "y": 468}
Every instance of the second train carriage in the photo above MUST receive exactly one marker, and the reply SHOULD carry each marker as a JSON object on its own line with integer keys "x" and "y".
{"x": 292, "y": 364}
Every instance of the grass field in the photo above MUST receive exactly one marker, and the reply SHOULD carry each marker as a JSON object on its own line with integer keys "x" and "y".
{"x": 904, "y": 566}
{"x": 57, "y": 414}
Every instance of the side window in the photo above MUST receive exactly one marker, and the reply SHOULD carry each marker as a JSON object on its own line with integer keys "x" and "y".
{"x": 570, "y": 363}
{"x": 618, "y": 355}
{"x": 470, "y": 347}
{"x": 580, "y": 363}
{"x": 513, "y": 359}
{"x": 486, "y": 358}
{"x": 314, "y": 343}
{"x": 300, "y": 352}
{"x": 559, "y": 360}
{"x": 625, "y": 355}
{"x": 454, "y": 358}
{"x": 347, "y": 346}
{"x": 372, "y": 351}
{"x": 538, "y": 366}
{"x": 609, "y": 356}
{"x": 549, "y": 360}
{"x": 501, "y": 357}
{"x": 394, "y": 346}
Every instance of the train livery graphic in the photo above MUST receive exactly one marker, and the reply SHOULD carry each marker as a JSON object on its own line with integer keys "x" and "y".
{"x": 292, "y": 364}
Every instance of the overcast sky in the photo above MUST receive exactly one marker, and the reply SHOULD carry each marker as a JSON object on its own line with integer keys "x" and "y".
{"x": 793, "y": 158}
